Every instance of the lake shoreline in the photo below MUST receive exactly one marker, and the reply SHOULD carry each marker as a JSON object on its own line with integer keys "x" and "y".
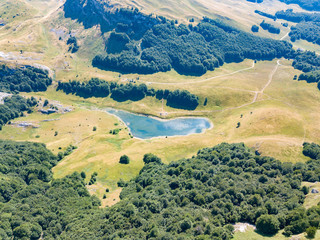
{"x": 204, "y": 129}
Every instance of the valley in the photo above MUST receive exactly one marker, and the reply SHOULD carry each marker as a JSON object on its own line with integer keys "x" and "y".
{"x": 251, "y": 100}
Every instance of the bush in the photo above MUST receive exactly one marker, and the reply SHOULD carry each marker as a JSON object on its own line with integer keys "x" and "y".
{"x": 149, "y": 157}
{"x": 124, "y": 159}
{"x": 311, "y": 232}
{"x": 268, "y": 224}
{"x": 121, "y": 183}
{"x": 46, "y": 102}
{"x": 83, "y": 175}
{"x": 255, "y": 28}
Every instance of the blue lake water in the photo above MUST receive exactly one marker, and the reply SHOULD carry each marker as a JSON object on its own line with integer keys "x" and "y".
{"x": 148, "y": 127}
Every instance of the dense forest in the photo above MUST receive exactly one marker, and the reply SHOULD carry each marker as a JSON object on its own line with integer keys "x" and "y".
{"x": 122, "y": 92}
{"x": 297, "y": 17}
{"x": 150, "y": 44}
{"x": 306, "y": 61}
{"x": 309, "y": 31}
{"x": 196, "y": 198}
{"x": 190, "y": 50}
{"x": 311, "y": 5}
{"x": 30, "y": 206}
{"x": 23, "y": 79}
{"x": 14, "y": 107}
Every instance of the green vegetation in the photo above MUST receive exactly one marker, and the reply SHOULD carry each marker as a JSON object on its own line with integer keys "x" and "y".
{"x": 311, "y": 5}
{"x": 310, "y": 77}
{"x": 311, "y": 150}
{"x": 269, "y": 27}
{"x": 67, "y": 152}
{"x": 124, "y": 159}
{"x": 93, "y": 178}
{"x": 159, "y": 45}
{"x": 190, "y": 50}
{"x": 264, "y": 14}
{"x": 255, "y": 28}
{"x": 182, "y": 99}
{"x": 73, "y": 44}
{"x": 115, "y": 131}
{"x": 308, "y": 27}
{"x": 14, "y": 107}
{"x": 268, "y": 224}
{"x": 297, "y": 17}
{"x": 311, "y": 232}
{"x": 31, "y": 206}
{"x": 189, "y": 198}
{"x": 23, "y": 79}
{"x": 306, "y": 61}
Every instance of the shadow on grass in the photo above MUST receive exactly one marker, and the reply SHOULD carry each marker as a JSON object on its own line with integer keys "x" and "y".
{"x": 265, "y": 235}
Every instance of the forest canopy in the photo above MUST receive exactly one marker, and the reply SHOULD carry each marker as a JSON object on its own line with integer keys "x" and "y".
{"x": 23, "y": 79}
{"x": 148, "y": 44}
{"x": 196, "y": 198}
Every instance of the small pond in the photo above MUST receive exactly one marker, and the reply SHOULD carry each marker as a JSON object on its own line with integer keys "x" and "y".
{"x": 145, "y": 127}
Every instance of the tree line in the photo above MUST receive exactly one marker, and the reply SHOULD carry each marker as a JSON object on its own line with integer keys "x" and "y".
{"x": 269, "y": 27}
{"x": 95, "y": 87}
{"x": 311, "y": 5}
{"x": 264, "y": 14}
{"x": 297, "y": 17}
{"x": 23, "y": 79}
{"x": 310, "y": 77}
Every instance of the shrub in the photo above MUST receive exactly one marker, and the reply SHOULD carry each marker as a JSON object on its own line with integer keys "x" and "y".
{"x": 149, "y": 157}
{"x": 124, "y": 159}
{"x": 255, "y": 28}
{"x": 268, "y": 224}
{"x": 311, "y": 232}
{"x": 83, "y": 175}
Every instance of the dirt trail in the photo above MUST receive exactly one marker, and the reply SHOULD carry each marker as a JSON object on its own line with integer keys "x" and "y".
{"x": 203, "y": 80}
{"x": 256, "y": 94}
{"x": 287, "y": 34}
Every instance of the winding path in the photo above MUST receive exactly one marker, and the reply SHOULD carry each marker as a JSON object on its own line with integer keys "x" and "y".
{"x": 203, "y": 80}
{"x": 256, "y": 94}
